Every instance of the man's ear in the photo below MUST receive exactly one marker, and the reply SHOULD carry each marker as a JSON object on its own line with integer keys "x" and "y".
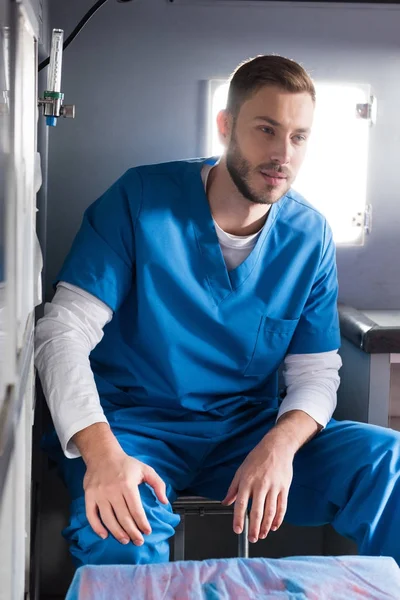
{"x": 225, "y": 124}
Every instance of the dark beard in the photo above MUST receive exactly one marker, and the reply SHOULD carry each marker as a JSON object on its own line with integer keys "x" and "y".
{"x": 239, "y": 169}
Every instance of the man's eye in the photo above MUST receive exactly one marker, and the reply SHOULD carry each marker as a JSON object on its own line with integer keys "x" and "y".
{"x": 267, "y": 130}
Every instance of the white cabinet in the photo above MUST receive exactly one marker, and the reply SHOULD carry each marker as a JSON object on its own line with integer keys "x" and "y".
{"x": 370, "y": 376}
{"x": 18, "y": 123}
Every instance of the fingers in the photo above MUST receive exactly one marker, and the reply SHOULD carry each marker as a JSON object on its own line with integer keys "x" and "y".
{"x": 270, "y": 509}
{"x": 240, "y": 509}
{"x": 108, "y": 518}
{"x": 267, "y": 513}
{"x": 158, "y": 485}
{"x": 280, "y": 512}
{"x": 257, "y": 514}
{"x": 231, "y": 494}
{"x": 118, "y": 520}
{"x": 135, "y": 507}
{"x": 94, "y": 520}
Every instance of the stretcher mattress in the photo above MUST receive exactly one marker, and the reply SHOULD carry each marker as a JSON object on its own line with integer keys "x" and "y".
{"x": 294, "y": 578}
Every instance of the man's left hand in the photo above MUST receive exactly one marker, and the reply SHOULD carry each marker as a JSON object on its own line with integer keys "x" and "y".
{"x": 264, "y": 478}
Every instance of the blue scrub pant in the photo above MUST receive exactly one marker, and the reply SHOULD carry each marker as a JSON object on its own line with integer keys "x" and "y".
{"x": 348, "y": 475}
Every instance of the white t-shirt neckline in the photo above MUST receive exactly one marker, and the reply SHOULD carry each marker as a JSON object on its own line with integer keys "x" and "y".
{"x": 235, "y": 248}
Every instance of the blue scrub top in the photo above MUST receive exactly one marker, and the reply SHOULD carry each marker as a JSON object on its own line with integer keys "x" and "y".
{"x": 186, "y": 333}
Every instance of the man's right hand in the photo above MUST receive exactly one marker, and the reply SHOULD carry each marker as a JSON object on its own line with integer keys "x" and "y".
{"x": 111, "y": 486}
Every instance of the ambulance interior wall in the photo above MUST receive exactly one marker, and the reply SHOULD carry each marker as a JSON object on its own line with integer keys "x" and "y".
{"x": 136, "y": 74}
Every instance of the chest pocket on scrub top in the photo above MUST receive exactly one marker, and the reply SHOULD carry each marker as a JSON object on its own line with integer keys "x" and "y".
{"x": 272, "y": 343}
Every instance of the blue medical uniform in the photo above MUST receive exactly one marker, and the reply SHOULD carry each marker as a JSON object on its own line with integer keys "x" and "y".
{"x": 187, "y": 368}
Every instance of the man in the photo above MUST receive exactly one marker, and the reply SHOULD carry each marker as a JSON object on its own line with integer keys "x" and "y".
{"x": 206, "y": 277}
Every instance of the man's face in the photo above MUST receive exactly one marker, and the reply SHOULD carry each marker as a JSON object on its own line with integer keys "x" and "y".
{"x": 266, "y": 143}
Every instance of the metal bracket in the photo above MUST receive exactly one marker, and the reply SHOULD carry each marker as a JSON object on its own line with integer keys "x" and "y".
{"x": 364, "y": 219}
{"x": 368, "y": 111}
{"x": 53, "y": 107}
{"x": 368, "y": 218}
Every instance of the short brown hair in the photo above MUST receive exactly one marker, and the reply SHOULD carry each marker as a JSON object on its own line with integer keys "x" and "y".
{"x": 271, "y": 69}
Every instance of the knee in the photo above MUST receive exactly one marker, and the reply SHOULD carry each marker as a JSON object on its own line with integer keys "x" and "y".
{"x": 386, "y": 440}
{"x": 383, "y": 449}
{"x": 112, "y": 552}
{"x": 87, "y": 547}
{"x": 373, "y": 439}
{"x": 391, "y": 452}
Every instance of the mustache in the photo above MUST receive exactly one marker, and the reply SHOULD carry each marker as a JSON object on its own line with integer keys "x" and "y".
{"x": 274, "y": 167}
